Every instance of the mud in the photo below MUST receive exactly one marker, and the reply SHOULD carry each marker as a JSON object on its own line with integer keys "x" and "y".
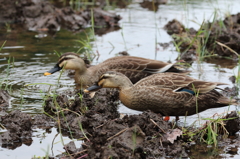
{"x": 4, "y": 98}
{"x": 222, "y": 41}
{"x": 18, "y": 126}
{"x": 145, "y": 135}
{"x": 104, "y": 133}
{"x": 97, "y": 121}
{"x": 134, "y": 136}
{"x": 83, "y": 111}
{"x": 152, "y": 5}
{"x": 232, "y": 125}
{"x": 42, "y": 16}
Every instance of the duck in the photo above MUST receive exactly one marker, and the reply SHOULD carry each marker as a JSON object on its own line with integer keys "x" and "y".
{"x": 170, "y": 94}
{"x": 135, "y": 68}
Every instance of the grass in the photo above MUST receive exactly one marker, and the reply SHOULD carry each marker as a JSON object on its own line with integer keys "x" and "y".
{"x": 203, "y": 42}
{"x": 122, "y": 34}
{"x": 134, "y": 139}
{"x": 87, "y": 46}
{"x": 4, "y": 82}
{"x": 209, "y": 132}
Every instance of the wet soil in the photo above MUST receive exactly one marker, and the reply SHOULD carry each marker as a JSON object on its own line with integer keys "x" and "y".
{"x": 152, "y": 5}
{"x": 19, "y": 125}
{"x": 220, "y": 40}
{"x": 4, "y": 98}
{"x": 96, "y": 120}
{"x": 105, "y": 134}
{"x": 108, "y": 135}
{"x": 42, "y": 16}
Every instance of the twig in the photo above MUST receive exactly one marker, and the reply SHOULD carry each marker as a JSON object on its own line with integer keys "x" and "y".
{"x": 161, "y": 142}
{"x": 2, "y": 126}
{"x": 221, "y": 44}
{"x": 77, "y": 153}
{"x": 82, "y": 156}
{"x": 53, "y": 142}
{"x": 103, "y": 124}
{"x": 117, "y": 134}
{"x": 157, "y": 125}
{"x": 99, "y": 126}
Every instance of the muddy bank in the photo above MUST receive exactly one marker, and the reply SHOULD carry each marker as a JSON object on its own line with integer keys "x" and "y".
{"x": 221, "y": 38}
{"x": 134, "y": 136}
{"x": 137, "y": 136}
{"x": 42, "y": 16}
{"x": 82, "y": 110}
{"x": 19, "y": 128}
{"x": 152, "y": 5}
{"x": 4, "y": 98}
{"x": 106, "y": 135}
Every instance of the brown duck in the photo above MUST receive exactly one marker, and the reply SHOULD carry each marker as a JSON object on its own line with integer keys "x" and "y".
{"x": 170, "y": 94}
{"x": 135, "y": 68}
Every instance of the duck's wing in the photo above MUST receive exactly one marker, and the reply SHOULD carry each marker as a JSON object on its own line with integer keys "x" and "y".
{"x": 200, "y": 86}
{"x": 141, "y": 65}
{"x": 178, "y": 82}
{"x": 135, "y": 68}
{"x": 166, "y": 80}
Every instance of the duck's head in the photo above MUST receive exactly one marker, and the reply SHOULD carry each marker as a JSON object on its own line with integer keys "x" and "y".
{"x": 68, "y": 60}
{"x": 110, "y": 79}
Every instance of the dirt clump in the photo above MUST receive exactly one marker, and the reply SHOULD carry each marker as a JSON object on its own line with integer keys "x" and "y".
{"x": 42, "y": 16}
{"x": 19, "y": 127}
{"x": 219, "y": 40}
{"x": 4, "y": 98}
{"x": 232, "y": 125}
{"x": 152, "y": 5}
{"x": 106, "y": 135}
{"x": 135, "y": 136}
{"x": 82, "y": 110}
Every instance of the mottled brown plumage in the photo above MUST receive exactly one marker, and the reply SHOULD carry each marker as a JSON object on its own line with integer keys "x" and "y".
{"x": 170, "y": 94}
{"x": 135, "y": 68}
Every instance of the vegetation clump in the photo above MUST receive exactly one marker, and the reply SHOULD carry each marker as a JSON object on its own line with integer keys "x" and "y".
{"x": 217, "y": 38}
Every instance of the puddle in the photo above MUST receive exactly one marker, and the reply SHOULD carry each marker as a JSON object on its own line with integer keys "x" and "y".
{"x": 141, "y": 30}
{"x": 44, "y": 142}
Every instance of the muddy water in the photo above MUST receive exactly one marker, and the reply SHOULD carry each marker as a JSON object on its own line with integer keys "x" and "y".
{"x": 141, "y": 30}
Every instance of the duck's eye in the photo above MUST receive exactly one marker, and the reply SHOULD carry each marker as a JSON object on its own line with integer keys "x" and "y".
{"x": 103, "y": 77}
{"x": 64, "y": 59}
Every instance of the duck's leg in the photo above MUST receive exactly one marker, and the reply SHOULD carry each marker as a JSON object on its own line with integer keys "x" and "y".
{"x": 177, "y": 118}
{"x": 167, "y": 118}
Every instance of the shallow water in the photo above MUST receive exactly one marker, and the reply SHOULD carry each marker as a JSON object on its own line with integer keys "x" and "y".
{"x": 141, "y": 30}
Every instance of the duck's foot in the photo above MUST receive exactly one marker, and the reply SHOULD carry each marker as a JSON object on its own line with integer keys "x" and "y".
{"x": 166, "y": 118}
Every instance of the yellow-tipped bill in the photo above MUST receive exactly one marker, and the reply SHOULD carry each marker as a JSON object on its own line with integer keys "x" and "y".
{"x": 53, "y": 70}
{"x": 47, "y": 73}
{"x": 86, "y": 91}
{"x": 92, "y": 88}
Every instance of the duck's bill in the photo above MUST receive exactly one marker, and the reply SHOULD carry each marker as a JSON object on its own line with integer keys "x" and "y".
{"x": 93, "y": 88}
{"x": 53, "y": 70}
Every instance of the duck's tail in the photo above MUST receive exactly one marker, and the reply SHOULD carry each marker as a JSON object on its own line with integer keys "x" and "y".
{"x": 227, "y": 101}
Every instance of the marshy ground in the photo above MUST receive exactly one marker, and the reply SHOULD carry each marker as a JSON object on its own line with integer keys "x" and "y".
{"x": 104, "y": 127}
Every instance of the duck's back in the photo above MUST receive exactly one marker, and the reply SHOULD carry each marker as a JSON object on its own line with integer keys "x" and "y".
{"x": 165, "y": 80}
{"x": 135, "y": 68}
{"x": 159, "y": 93}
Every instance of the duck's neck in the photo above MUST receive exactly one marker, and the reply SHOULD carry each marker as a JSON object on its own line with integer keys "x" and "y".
{"x": 84, "y": 78}
{"x": 125, "y": 84}
{"x": 125, "y": 93}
